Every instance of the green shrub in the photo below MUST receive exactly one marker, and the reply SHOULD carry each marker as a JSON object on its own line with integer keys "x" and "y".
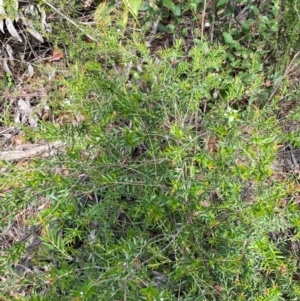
{"x": 167, "y": 188}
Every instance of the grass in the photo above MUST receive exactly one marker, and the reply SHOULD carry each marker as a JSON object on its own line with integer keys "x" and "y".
{"x": 167, "y": 188}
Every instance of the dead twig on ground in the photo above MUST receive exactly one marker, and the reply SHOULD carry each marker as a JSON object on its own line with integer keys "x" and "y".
{"x": 153, "y": 31}
{"x": 46, "y": 149}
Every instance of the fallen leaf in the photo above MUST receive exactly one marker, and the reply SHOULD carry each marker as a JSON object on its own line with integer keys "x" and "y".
{"x": 218, "y": 288}
{"x": 205, "y": 204}
{"x": 87, "y": 3}
{"x": 296, "y": 200}
{"x": 23, "y": 163}
{"x": 1, "y": 21}
{"x": 30, "y": 70}
{"x": 18, "y": 140}
{"x": 11, "y": 29}
{"x": 64, "y": 172}
{"x": 35, "y": 34}
{"x": 268, "y": 83}
{"x": 212, "y": 144}
{"x": 56, "y": 55}
{"x": 79, "y": 118}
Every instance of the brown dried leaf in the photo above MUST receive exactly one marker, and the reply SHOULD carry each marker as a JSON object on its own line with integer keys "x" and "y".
{"x": 56, "y": 55}
{"x": 18, "y": 140}
{"x": 205, "y": 204}
{"x": 218, "y": 288}
{"x": 212, "y": 144}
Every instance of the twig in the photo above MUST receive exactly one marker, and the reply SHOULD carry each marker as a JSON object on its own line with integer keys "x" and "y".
{"x": 283, "y": 76}
{"x": 153, "y": 31}
{"x": 69, "y": 20}
{"x": 203, "y": 18}
{"x": 294, "y": 158}
{"x": 7, "y": 130}
{"x": 35, "y": 151}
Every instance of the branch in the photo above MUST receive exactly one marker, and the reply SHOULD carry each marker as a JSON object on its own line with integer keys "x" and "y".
{"x": 69, "y": 20}
{"x": 35, "y": 151}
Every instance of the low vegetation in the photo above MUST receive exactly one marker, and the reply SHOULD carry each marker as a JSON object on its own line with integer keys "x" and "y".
{"x": 177, "y": 172}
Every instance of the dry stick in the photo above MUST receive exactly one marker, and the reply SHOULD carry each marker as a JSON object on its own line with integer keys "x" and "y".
{"x": 202, "y": 21}
{"x": 153, "y": 31}
{"x": 214, "y": 11}
{"x": 70, "y": 20}
{"x": 283, "y": 76}
{"x": 34, "y": 151}
{"x": 294, "y": 158}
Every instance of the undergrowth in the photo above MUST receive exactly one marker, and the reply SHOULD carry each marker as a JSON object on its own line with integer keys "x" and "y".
{"x": 167, "y": 188}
